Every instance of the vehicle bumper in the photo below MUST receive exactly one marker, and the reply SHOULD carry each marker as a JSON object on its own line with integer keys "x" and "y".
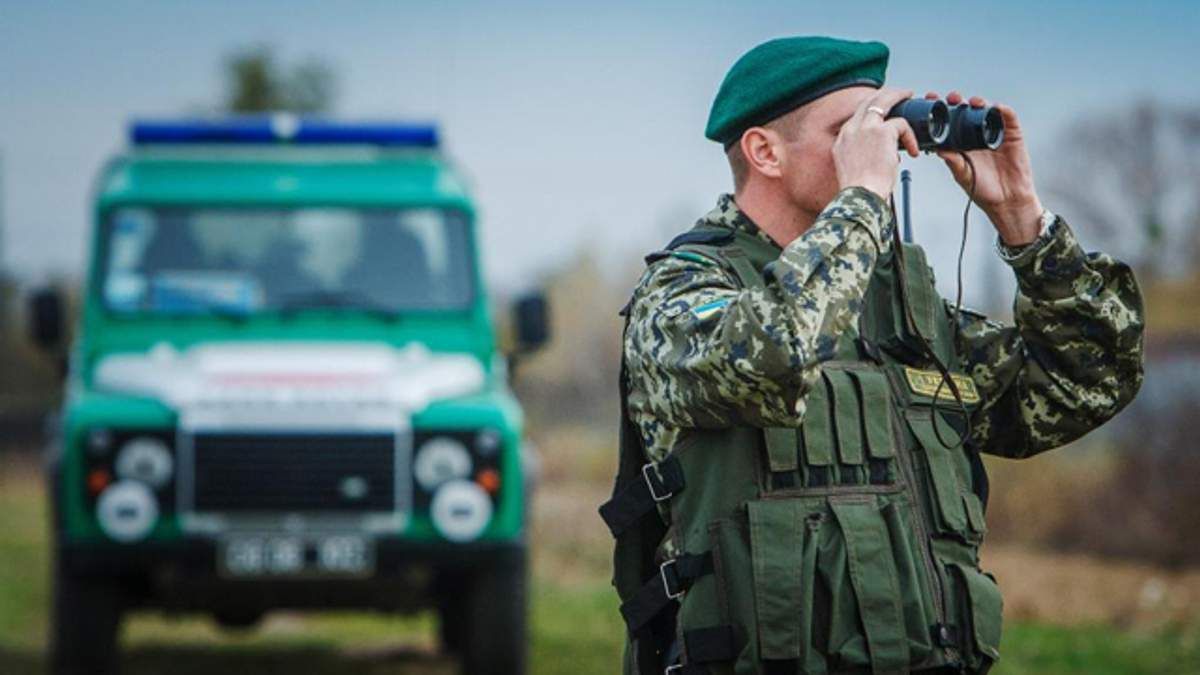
{"x": 182, "y": 575}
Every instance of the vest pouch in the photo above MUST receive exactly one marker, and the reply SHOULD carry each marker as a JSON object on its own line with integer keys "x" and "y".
{"x": 848, "y": 427}
{"x": 915, "y": 596}
{"x": 956, "y": 509}
{"x": 980, "y": 614}
{"x": 856, "y": 565}
{"x": 784, "y": 534}
{"x": 876, "y": 411}
{"x": 818, "y": 439}
{"x": 884, "y": 315}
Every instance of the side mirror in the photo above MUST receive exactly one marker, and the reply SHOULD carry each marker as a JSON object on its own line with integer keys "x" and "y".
{"x": 46, "y": 318}
{"x": 531, "y": 316}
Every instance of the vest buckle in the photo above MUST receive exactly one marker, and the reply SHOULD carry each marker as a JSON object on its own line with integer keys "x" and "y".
{"x": 668, "y": 571}
{"x": 650, "y": 481}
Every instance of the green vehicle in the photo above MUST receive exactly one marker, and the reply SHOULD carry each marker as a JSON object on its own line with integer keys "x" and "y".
{"x": 285, "y": 392}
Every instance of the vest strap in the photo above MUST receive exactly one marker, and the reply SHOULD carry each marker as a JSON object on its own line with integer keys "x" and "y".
{"x": 710, "y": 236}
{"x": 705, "y": 645}
{"x": 638, "y": 497}
{"x": 674, "y": 577}
{"x": 744, "y": 269}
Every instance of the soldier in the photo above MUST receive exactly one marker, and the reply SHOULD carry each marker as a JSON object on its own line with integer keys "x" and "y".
{"x": 800, "y": 486}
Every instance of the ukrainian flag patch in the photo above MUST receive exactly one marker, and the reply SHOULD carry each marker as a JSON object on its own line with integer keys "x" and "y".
{"x": 708, "y": 309}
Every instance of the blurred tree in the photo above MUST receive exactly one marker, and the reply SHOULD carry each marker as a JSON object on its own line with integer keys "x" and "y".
{"x": 256, "y": 82}
{"x": 1131, "y": 178}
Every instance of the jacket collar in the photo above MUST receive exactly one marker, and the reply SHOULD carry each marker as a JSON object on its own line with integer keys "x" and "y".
{"x": 727, "y": 214}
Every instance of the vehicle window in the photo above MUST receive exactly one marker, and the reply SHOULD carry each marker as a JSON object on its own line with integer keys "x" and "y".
{"x": 196, "y": 260}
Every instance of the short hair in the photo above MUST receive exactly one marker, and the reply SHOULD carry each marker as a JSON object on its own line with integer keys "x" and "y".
{"x": 786, "y": 125}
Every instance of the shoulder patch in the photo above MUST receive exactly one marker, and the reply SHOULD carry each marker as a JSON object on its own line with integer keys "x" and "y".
{"x": 708, "y": 309}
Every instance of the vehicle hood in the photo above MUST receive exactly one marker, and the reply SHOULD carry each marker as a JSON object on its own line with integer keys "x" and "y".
{"x": 296, "y": 382}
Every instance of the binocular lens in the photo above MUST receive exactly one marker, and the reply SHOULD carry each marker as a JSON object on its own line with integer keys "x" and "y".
{"x": 940, "y": 127}
{"x": 974, "y": 128}
{"x": 930, "y": 120}
{"x": 993, "y": 129}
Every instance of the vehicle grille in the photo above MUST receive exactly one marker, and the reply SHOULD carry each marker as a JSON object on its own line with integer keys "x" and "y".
{"x": 294, "y": 472}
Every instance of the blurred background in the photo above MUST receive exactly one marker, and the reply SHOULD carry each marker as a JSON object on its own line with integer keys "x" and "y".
{"x": 580, "y": 128}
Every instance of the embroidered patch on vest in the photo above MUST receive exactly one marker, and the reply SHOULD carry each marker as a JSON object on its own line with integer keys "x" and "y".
{"x": 702, "y": 312}
{"x": 925, "y": 383}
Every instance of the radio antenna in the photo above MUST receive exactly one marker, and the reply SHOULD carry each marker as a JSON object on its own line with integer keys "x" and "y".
{"x": 905, "y": 182}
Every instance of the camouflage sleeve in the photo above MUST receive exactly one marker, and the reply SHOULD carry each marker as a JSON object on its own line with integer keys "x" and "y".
{"x": 704, "y": 352}
{"x": 1073, "y": 358}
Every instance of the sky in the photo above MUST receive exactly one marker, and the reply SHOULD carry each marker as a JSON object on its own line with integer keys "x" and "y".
{"x": 579, "y": 125}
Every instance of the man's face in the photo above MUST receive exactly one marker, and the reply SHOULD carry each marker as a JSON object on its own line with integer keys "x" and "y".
{"x": 807, "y": 157}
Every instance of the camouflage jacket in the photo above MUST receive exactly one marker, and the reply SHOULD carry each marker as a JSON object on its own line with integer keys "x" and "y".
{"x": 703, "y": 352}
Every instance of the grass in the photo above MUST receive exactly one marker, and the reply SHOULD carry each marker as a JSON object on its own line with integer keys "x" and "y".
{"x": 1097, "y": 650}
{"x": 575, "y": 626}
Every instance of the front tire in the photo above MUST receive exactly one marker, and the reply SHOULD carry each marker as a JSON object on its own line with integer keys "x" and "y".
{"x": 85, "y": 623}
{"x": 495, "y": 617}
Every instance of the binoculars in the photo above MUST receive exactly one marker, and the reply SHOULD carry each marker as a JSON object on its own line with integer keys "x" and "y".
{"x": 941, "y": 127}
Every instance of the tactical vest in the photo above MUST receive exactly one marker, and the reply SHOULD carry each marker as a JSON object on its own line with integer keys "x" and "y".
{"x": 847, "y": 545}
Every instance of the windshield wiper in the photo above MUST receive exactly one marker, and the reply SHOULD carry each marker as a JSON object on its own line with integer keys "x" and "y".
{"x": 340, "y": 299}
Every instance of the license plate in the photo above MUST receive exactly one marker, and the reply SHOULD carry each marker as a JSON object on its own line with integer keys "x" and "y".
{"x": 333, "y": 555}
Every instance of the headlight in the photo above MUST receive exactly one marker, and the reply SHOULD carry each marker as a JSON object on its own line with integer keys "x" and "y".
{"x": 439, "y": 460}
{"x": 146, "y": 460}
{"x": 461, "y": 509}
{"x": 487, "y": 442}
{"x": 126, "y": 510}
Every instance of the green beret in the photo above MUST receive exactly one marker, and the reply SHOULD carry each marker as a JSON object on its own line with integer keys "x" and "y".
{"x": 779, "y": 76}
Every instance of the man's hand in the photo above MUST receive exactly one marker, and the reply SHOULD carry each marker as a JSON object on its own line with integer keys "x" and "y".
{"x": 1004, "y": 181}
{"x": 864, "y": 153}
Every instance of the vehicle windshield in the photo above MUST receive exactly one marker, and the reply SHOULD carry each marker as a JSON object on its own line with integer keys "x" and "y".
{"x": 247, "y": 260}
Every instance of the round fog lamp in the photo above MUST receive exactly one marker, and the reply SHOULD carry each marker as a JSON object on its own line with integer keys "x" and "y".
{"x": 461, "y": 509}
{"x": 439, "y": 460}
{"x": 126, "y": 510}
{"x": 147, "y": 460}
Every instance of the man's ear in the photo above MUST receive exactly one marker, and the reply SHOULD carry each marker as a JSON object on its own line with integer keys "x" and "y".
{"x": 760, "y": 148}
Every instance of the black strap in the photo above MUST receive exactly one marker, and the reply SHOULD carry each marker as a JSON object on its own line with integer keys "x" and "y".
{"x": 710, "y": 645}
{"x": 709, "y": 236}
{"x": 713, "y": 236}
{"x": 637, "y": 498}
{"x": 713, "y": 644}
{"x": 656, "y": 594}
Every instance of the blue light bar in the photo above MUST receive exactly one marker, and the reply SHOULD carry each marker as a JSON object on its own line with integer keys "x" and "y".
{"x": 282, "y": 128}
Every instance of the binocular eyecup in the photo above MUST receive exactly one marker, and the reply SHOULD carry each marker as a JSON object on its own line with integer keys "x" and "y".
{"x": 941, "y": 127}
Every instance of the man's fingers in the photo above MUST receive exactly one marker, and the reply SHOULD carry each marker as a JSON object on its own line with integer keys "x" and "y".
{"x": 1008, "y": 115}
{"x": 955, "y": 161}
{"x": 932, "y": 95}
{"x": 978, "y": 102}
{"x": 887, "y": 98}
{"x": 954, "y": 98}
{"x": 904, "y": 132}
{"x": 860, "y": 112}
